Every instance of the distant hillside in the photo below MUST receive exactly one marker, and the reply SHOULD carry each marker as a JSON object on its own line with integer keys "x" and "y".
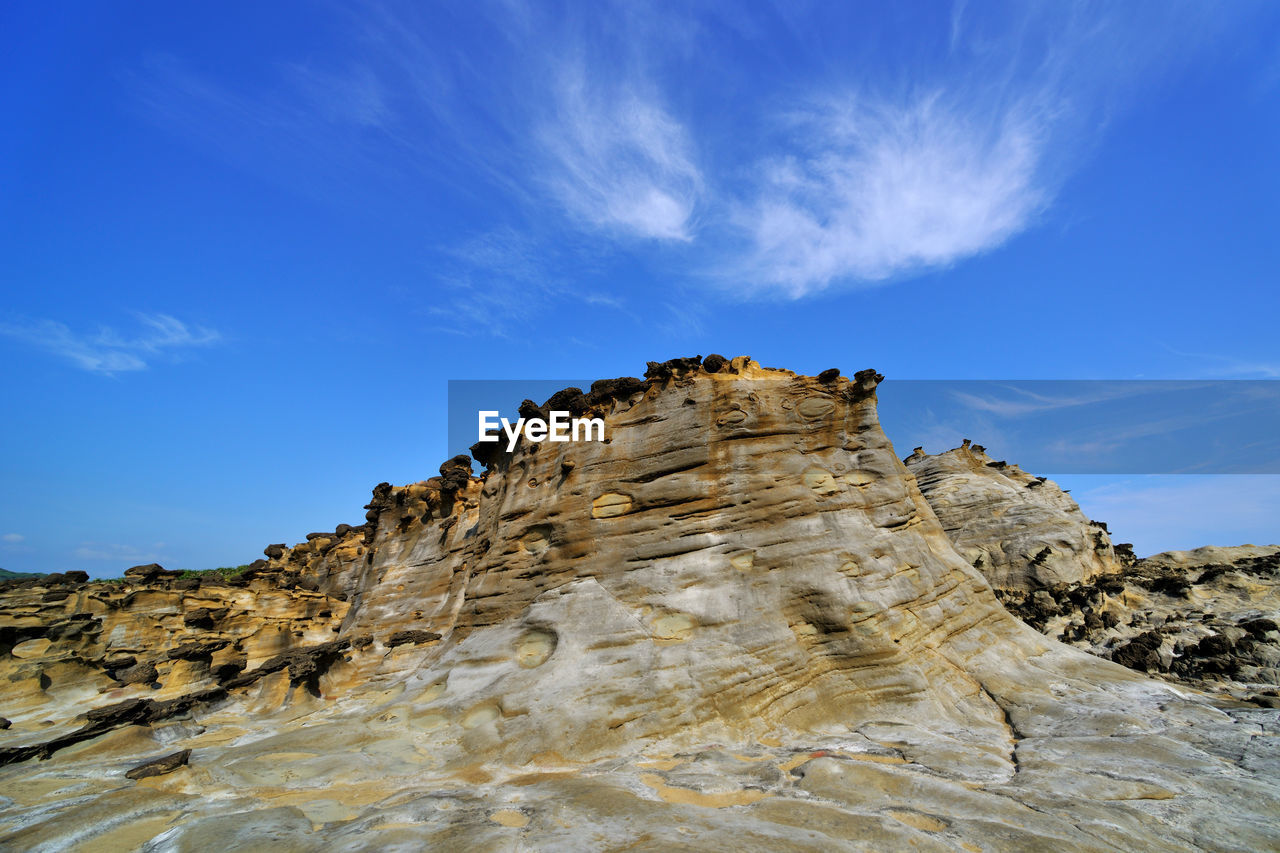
{"x": 5, "y": 575}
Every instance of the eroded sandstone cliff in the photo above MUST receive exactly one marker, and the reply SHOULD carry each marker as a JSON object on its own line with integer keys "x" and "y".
{"x": 1022, "y": 532}
{"x": 737, "y": 624}
{"x": 1206, "y": 618}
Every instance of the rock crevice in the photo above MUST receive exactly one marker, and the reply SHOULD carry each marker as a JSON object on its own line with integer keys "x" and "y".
{"x": 739, "y": 618}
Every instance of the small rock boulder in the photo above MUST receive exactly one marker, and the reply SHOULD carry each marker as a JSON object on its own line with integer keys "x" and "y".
{"x": 455, "y": 473}
{"x": 198, "y": 618}
{"x": 404, "y": 638}
{"x": 159, "y": 766}
{"x": 1140, "y": 653}
{"x": 714, "y": 363}
{"x": 148, "y": 572}
{"x": 140, "y": 673}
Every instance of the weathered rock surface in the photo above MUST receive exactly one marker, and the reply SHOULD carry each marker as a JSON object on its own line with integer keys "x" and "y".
{"x": 1204, "y": 618}
{"x": 737, "y": 625}
{"x": 1210, "y": 555}
{"x": 1022, "y": 532}
{"x": 71, "y": 645}
{"x": 1212, "y": 625}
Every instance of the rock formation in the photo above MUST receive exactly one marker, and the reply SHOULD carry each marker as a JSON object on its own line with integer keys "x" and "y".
{"x": 1204, "y": 618}
{"x": 1209, "y": 621}
{"x": 735, "y": 624}
{"x": 145, "y": 646}
{"x": 1211, "y": 555}
{"x": 1022, "y": 532}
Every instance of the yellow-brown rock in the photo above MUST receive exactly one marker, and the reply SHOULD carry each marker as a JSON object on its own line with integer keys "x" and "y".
{"x": 736, "y": 625}
{"x": 1206, "y": 618}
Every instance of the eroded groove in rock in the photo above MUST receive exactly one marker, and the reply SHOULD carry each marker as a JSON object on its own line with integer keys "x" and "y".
{"x": 739, "y": 617}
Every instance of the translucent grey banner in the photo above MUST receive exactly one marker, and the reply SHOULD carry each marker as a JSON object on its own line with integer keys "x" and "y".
{"x": 1047, "y": 427}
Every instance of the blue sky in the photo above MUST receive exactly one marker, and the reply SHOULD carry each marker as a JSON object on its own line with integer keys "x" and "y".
{"x": 244, "y": 246}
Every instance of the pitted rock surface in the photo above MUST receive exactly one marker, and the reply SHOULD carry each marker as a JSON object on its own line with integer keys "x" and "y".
{"x": 737, "y": 625}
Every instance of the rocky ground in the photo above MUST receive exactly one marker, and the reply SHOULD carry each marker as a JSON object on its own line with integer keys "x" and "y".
{"x": 1209, "y": 622}
{"x": 739, "y": 624}
{"x": 1205, "y": 618}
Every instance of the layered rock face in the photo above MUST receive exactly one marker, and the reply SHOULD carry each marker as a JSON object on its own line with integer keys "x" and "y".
{"x": 1022, "y": 532}
{"x": 735, "y": 625}
{"x": 156, "y": 637}
{"x": 1206, "y": 618}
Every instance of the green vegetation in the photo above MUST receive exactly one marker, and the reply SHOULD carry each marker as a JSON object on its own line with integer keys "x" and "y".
{"x": 225, "y": 571}
{"x": 6, "y": 575}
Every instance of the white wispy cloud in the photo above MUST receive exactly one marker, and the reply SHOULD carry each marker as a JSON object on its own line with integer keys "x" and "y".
{"x": 120, "y": 553}
{"x": 888, "y": 172}
{"x": 1191, "y": 436}
{"x": 1024, "y": 400}
{"x": 816, "y": 148}
{"x": 354, "y": 95}
{"x": 1223, "y": 366}
{"x": 617, "y": 160}
{"x": 879, "y": 187}
{"x": 496, "y": 283}
{"x": 1126, "y": 426}
{"x": 13, "y": 538}
{"x": 1177, "y": 512}
{"x": 106, "y": 351}
{"x": 490, "y": 285}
